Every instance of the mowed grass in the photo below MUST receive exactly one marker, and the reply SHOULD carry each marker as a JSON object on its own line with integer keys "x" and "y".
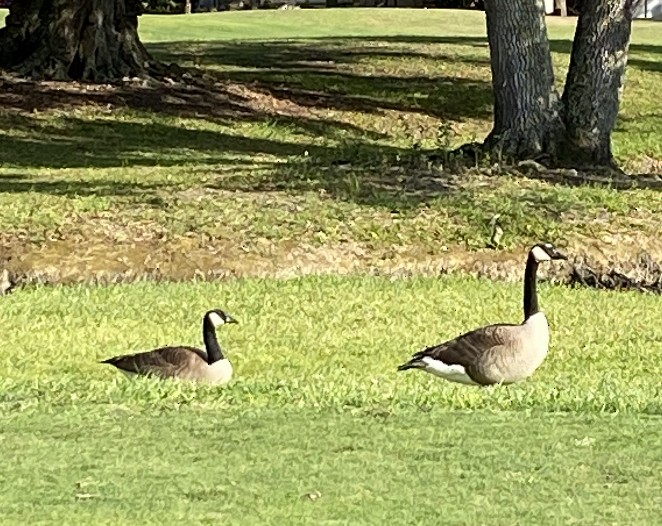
{"x": 318, "y": 427}
{"x": 303, "y": 467}
{"x": 327, "y": 343}
{"x": 307, "y": 154}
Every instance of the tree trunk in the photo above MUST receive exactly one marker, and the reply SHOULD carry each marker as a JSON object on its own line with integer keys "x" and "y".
{"x": 187, "y": 7}
{"x": 90, "y": 40}
{"x": 529, "y": 119}
{"x": 563, "y": 7}
{"x": 526, "y": 104}
{"x": 595, "y": 79}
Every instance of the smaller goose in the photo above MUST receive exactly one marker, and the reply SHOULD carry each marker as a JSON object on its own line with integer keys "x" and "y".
{"x": 496, "y": 354}
{"x": 187, "y": 363}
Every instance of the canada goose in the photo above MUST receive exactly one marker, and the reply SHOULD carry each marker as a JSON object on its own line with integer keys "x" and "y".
{"x": 188, "y": 363}
{"x": 502, "y": 353}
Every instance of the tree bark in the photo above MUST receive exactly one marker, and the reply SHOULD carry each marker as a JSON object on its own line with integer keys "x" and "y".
{"x": 595, "y": 79}
{"x": 526, "y": 104}
{"x": 90, "y": 40}
{"x": 563, "y": 7}
{"x": 187, "y": 7}
{"x": 529, "y": 119}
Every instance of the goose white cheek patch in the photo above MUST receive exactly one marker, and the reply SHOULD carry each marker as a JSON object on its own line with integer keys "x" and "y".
{"x": 216, "y": 319}
{"x": 539, "y": 254}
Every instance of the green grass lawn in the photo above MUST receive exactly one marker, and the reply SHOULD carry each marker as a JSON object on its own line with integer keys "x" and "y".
{"x": 326, "y": 342}
{"x": 306, "y": 467}
{"x": 318, "y": 427}
{"x": 322, "y": 23}
{"x": 304, "y": 157}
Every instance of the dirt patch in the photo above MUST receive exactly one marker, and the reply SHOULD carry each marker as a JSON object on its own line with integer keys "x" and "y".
{"x": 644, "y": 275}
{"x": 210, "y": 97}
{"x": 181, "y": 259}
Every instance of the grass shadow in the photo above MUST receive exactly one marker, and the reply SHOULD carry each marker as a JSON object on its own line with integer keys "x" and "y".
{"x": 300, "y": 84}
{"x": 75, "y": 143}
{"x": 16, "y": 183}
{"x": 326, "y": 74}
{"x": 394, "y": 181}
{"x": 644, "y": 57}
{"x": 574, "y": 178}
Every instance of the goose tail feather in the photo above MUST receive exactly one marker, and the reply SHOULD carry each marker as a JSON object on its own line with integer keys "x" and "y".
{"x": 109, "y": 361}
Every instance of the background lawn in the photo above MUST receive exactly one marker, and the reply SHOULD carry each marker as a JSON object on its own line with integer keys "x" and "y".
{"x": 305, "y": 467}
{"x": 302, "y": 153}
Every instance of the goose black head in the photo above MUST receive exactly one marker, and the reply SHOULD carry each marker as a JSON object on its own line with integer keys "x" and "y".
{"x": 546, "y": 252}
{"x": 217, "y": 317}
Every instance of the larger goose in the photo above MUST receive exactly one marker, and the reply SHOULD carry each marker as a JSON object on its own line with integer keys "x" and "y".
{"x": 496, "y": 354}
{"x": 188, "y": 363}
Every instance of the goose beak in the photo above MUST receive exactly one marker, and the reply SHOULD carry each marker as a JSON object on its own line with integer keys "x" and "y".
{"x": 230, "y": 319}
{"x": 559, "y": 255}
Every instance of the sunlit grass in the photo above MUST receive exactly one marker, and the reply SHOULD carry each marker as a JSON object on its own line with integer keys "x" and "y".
{"x": 305, "y": 467}
{"x": 318, "y": 426}
{"x": 331, "y": 343}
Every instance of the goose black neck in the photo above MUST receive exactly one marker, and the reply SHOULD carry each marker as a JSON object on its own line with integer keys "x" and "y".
{"x": 530, "y": 287}
{"x": 214, "y": 352}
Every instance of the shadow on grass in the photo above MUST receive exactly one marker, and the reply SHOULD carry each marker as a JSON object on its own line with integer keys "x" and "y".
{"x": 397, "y": 182}
{"x": 16, "y": 183}
{"x": 75, "y": 143}
{"x": 400, "y": 186}
{"x": 644, "y": 57}
{"x": 647, "y": 57}
{"x": 329, "y": 74}
{"x": 295, "y": 84}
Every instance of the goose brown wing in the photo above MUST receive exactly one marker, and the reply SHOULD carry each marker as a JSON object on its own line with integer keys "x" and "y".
{"x": 466, "y": 349}
{"x": 164, "y": 362}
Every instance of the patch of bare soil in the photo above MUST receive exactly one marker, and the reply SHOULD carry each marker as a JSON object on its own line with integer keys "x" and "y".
{"x": 625, "y": 264}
